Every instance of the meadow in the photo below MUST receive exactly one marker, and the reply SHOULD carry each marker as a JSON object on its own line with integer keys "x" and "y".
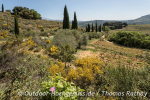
{"x": 70, "y": 61}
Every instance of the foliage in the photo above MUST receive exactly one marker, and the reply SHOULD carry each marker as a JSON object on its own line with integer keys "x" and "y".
{"x": 66, "y": 53}
{"x": 3, "y": 34}
{"x": 16, "y": 24}
{"x": 60, "y": 85}
{"x": 2, "y": 8}
{"x": 131, "y": 39}
{"x": 92, "y": 27}
{"x": 116, "y": 25}
{"x": 96, "y": 26}
{"x": 63, "y": 37}
{"x": 100, "y": 28}
{"x": 75, "y": 22}
{"x": 66, "y": 23}
{"x": 93, "y": 35}
{"x": 85, "y": 39}
{"x": 42, "y": 29}
{"x": 88, "y": 27}
{"x": 53, "y": 50}
{"x": 125, "y": 79}
{"x": 26, "y": 13}
{"x": 36, "y": 15}
{"x": 107, "y": 29}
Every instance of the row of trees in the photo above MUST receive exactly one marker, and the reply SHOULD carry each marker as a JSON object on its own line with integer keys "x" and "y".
{"x": 66, "y": 23}
{"x": 115, "y": 25}
{"x": 94, "y": 28}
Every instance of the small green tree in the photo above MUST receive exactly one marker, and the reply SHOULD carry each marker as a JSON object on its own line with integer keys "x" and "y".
{"x": 16, "y": 24}
{"x": 92, "y": 27}
{"x": 85, "y": 39}
{"x": 67, "y": 53}
{"x": 2, "y": 8}
{"x": 107, "y": 29}
{"x": 66, "y": 24}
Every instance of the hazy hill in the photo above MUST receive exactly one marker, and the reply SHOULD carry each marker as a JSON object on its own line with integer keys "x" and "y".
{"x": 142, "y": 20}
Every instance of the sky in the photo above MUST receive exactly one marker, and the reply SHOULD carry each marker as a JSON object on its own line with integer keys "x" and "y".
{"x": 85, "y": 9}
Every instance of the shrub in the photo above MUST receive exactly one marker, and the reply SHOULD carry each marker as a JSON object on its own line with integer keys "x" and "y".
{"x": 42, "y": 29}
{"x": 62, "y": 38}
{"x": 85, "y": 39}
{"x": 60, "y": 85}
{"x": 28, "y": 29}
{"x": 37, "y": 40}
{"x": 131, "y": 39}
{"x": 43, "y": 33}
{"x": 30, "y": 33}
{"x": 37, "y": 49}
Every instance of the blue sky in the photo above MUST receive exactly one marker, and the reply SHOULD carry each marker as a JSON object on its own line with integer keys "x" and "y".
{"x": 85, "y": 9}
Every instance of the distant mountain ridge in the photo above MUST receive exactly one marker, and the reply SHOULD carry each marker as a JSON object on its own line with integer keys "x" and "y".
{"x": 142, "y": 20}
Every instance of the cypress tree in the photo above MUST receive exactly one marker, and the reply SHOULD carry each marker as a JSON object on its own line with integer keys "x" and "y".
{"x": 100, "y": 28}
{"x": 75, "y": 21}
{"x": 88, "y": 27}
{"x": 92, "y": 27}
{"x": 72, "y": 24}
{"x": 103, "y": 28}
{"x": 16, "y": 24}
{"x": 2, "y": 8}
{"x": 96, "y": 26}
{"x": 66, "y": 24}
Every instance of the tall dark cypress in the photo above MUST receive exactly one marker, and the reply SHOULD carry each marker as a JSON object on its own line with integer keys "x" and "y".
{"x": 72, "y": 24}
{"x": 96, "y": 26}
{"x": 92, "y": 27}
{"x": 2, "y": 8}
{"x": 100, "y": 28}
{"x": 75, "y": 21}
{"x": 66, "y": 24}
{"x": 88, "y": 27}
{"x": 103, "y": 28}
{"x": 16, "y": 24}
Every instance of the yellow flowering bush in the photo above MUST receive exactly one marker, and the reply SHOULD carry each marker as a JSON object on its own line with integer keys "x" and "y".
{"x": 57, "y": 68}
{"x": 19, "y": 26}
{"x": 12, "y": 15}
{"x": 87, "y": 68}
{"x": 40, "y": 26}
{"x": 4, "y": 24}
{"x": 30, "y": 43}
{"x": 48, "y": 41}
{"x": 3, "y": 34}
{"x": 0, "y": 20}
{"x": 53, "y": 50}
{"x": 50, "y": 27}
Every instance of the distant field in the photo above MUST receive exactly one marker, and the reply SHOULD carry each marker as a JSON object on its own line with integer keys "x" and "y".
{"x": 141, "y": 28}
